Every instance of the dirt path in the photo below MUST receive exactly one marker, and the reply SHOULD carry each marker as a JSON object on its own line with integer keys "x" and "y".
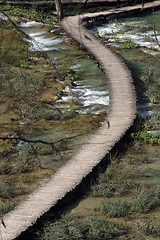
{"x": 120, "y": 117}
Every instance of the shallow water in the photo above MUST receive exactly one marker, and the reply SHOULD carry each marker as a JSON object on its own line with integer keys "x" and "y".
{"x": 134, "y": 40}
{"x": 91, "y": 89}
{"x": 139, "y": 30}
{"x": 87, "y": 99}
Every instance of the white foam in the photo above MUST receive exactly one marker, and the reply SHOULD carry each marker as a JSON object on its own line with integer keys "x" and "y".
{"x": 113, "y": 31}
{"x": 91, "y": 97}
{"x": 42, "y": 43}
{"x": 30, "y": 24}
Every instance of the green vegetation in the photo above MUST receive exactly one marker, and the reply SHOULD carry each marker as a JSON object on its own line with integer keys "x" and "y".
{"x": 147, "y": 137}
{"x": 144, "y": 131}
{"x": 130, "y": 45}
{"x": 90, "y": 228}
{"x": 151, "y": 229}
{"x": 35, "y": 13}
{"x": 105, "y": 38}
{"x": 6, "y": 188}
{"x": 146, "y": 201}
{"x": 113, "y": 182}
{"x": 15, "y": 88}
{"x": 123, "y": 197}
{"x": 7, "y": 207}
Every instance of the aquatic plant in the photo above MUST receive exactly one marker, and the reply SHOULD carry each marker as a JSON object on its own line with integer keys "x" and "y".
{"x": 70, "y": 78}
{"x": 15, "y": 87}
{"x": 130, "y": 45}
{"x": 142, "y": 131}
{"x": 112, "y": 187}
{"x": 35, "y": 14}
{"x": 147, "y": 137}
{"x": 153, "y": 94}
{"x": 5, "y": 7}
{"x": 104, "y": 38}
{"x": 25, "y": 63}
{"x": 145, "y": 159}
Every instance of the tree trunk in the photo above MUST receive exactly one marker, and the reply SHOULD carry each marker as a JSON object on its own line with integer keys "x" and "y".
{"x": 59, "y": 9}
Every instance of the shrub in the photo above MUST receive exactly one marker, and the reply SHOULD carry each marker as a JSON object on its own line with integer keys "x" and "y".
{"x": 115, "y": 209}
{"x": 130, "y": 45}
{"x": 151, "y": 229}
{"x": 6, "y": 188}
{"x": 97, "y": 228}
{"x": 146, "y": 201}
{"x": 112, "y": 187}
{"x": 15, "y": 87}
{"x": 64, "y": 229}
{"x": 113, "y": 181}
{"x": 7, "y": 207}
{"x": 5, "y": 168}
{"x": 91, "y": 228}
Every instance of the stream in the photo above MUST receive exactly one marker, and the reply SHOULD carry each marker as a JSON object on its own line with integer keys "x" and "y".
{"x": 133, "y": 38}
{"x": 90, "y": 89}
{"x": 82, "y": 103}
{"x": 89, "y": 92}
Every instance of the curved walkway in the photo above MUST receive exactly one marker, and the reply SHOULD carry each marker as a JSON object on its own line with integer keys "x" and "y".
{"x": 121, "y": 114}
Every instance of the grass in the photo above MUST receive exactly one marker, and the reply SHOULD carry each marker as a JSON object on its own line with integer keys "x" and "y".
{"x": 34, "y": 14}
{"x": 15, "y": 88}
{"x": 7, "y": 207}
{"x": 142, "y": 131}
{"x": 6, "y": 188}
{"x": 5, "y": 168}
{"x": 91, "y": 228}
{"x": 151, "y": 229}
{"x": 112, "y": 188}
{"x": 114, "y": 181}
{"x": 130, "y": 46}
{"x": 115, "y": 209}
{"x": 146, "y": 201}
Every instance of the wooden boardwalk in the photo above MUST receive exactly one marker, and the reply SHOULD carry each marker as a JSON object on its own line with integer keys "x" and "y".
{"x": 121, "y": 114}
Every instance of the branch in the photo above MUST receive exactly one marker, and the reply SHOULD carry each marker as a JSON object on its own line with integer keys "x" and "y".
{"x": 155, "y": 34}
{"x": 19, "y": 138}
{"x": 142, "y": 5}
{"x": 5, "y": 14}
{"x": 37, "y": 3}
{"x": 25, "y": 34}
{"x": 154, "y": 29}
